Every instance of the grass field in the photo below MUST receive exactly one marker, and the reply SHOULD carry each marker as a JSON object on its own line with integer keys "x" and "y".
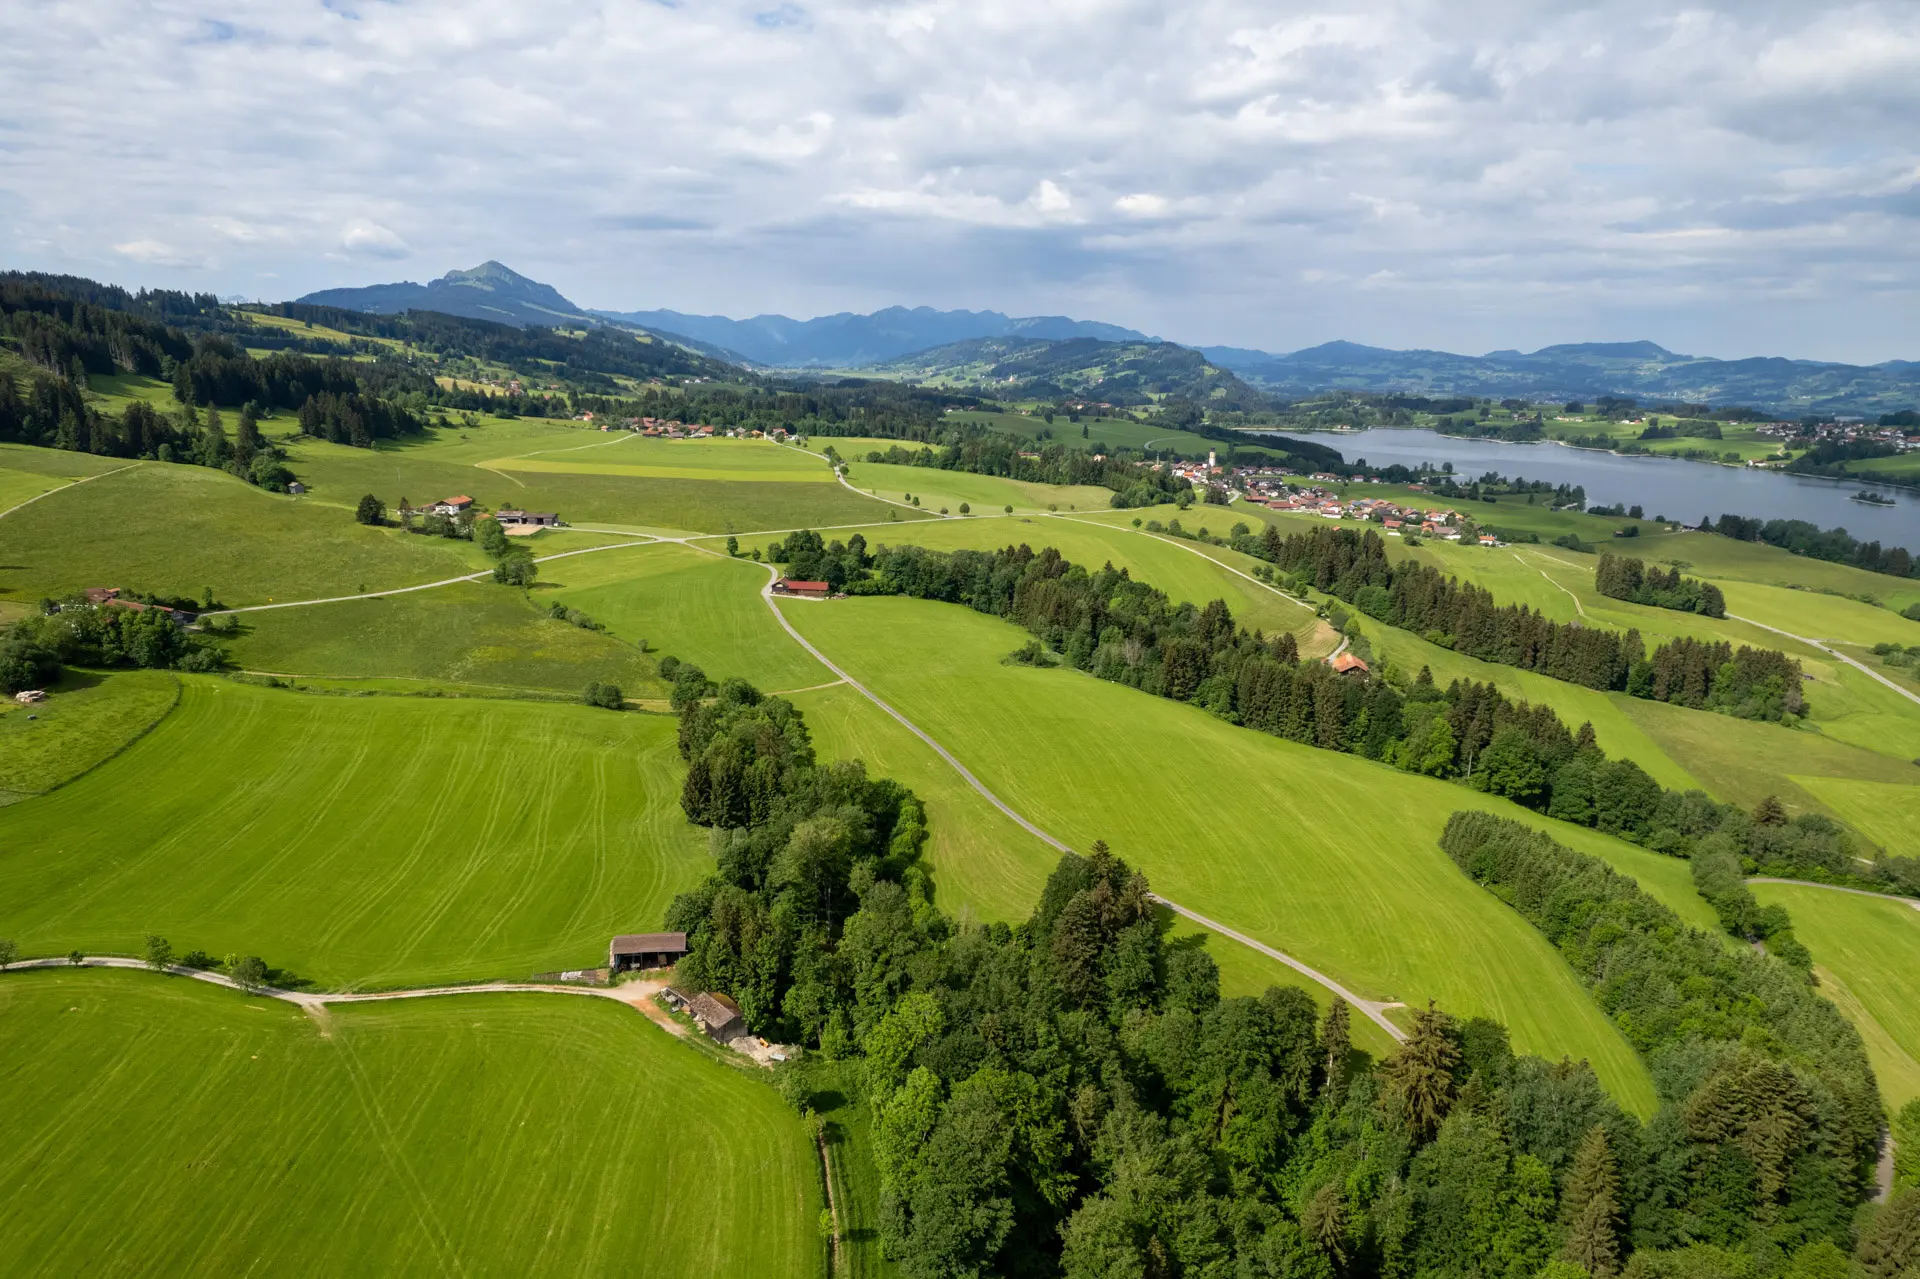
{"x": 1333, "y": 859}
{"x": 87, "y": 718}
{"x": 985, "y": 494}
{"x": 472, "y": 634}
{"x": 1868, "y": 953}
{"x": 359, "y": 841}
{"x": 162, "y": 1126}
{"x": 592, "y": 477}
{"x": 176, "y": 530}
{"x": 699, "y": 607}
{"x": 1885, "y": 813}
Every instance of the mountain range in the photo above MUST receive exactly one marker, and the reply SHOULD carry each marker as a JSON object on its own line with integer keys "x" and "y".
{"x": 924, "y": 343}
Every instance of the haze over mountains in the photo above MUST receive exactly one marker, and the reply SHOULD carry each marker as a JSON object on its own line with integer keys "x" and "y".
{"x": 946, "y": 342}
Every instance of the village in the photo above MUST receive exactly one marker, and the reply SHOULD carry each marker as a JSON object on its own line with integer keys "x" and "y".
{"x": 1279, "y": 489}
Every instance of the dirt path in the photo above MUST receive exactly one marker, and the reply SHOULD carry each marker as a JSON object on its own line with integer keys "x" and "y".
{"x": 1862, "y": 667}
{"x": 637, "y": 995}
{"x": 1368, "y": 1008}
{"x": 1837, "y": 888}
{"x": 64, "y": 487}
{"x": 1578, "y": 607}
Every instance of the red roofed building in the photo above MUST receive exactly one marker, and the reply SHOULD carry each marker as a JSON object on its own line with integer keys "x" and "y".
{"x": 809, "y": 590}
{"x": 1347, "y": 664}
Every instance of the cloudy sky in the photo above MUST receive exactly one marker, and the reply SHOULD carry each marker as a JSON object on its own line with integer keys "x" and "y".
{"x": 1729, "y": 179}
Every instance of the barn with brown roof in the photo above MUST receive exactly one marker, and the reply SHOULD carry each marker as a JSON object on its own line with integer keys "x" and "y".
{"x": 630, "y": 951}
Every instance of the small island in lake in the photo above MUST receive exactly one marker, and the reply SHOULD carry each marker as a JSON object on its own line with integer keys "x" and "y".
{"x": 1873, "y": 499}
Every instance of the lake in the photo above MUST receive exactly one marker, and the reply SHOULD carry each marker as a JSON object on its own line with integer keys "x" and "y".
{"x": 1677, "y": 489}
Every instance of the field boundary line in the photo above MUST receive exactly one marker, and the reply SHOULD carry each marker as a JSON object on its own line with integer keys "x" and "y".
{"x": 1836, "y": 888}
{"x": 179, "y": 686}
{"x": 64, "y": 487}
{"x": 1370, "y": 1009}
{"x": 1862, "y": 667}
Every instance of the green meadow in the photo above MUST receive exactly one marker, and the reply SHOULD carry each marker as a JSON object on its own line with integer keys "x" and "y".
{"x": 178, "y": 530}
{"x": 359, "y": 841}
{"x": 1867, "y": 950}
{"x": 88, "y": 717}
{"x": 471, "y": 634}
{"x": 698, "y": 606}
{"x": 984, "y": 494}
{"x": 159, "y": 1125}
{"x": 1330, "y": 858}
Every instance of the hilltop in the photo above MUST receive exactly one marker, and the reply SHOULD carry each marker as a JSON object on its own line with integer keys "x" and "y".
{"x": 1117, "y": 373}
{"x": 490, "y": 291}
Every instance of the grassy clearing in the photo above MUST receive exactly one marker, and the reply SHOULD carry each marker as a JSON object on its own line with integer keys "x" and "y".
{"x": 113, "y": 393}
{"x": 176, "y": 530}
{"x": 1333, "y": 859}
{"x": 1868, "y": 952}
{"x": 699, "y": 607}
{"x": 1883, "y": 812}
{"x": 162, "y": 1126}
{"x": 364, "y": 841}
{"x": 87, "y": 719}
{"x": 472, "y": 633}
{"x": 985, "y": 494}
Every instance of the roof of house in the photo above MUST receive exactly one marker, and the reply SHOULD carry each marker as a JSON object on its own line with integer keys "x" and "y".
{"x": 793, "y": 585}
{"x": 458, "y": 499}
{"x": 713, "y": 1010}
{"x": 646, "y": 943}
{"x": 1344, "y": 662}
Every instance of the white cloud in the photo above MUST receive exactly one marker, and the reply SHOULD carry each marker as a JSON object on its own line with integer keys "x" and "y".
{"x": 370, "y": 239}
{"x": 1728, "y": 177}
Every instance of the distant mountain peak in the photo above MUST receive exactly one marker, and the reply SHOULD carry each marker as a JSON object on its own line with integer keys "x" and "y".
{"x": 490, "y": 291}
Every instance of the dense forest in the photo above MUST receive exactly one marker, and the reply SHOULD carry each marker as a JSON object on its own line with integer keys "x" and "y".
{"x": 1749, "y": 683}
{"x": 1110, "y": 625}
{"x": 1073, "y": 1096}
{"x": 1622, "y": 577}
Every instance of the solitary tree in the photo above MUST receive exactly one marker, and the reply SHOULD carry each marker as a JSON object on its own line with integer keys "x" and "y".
{"x": 1592, "y": 1207}
{"x": 516, "y": 570}
{"x": 9, "y": 951}
{"x": 1008, "y": 508}
{"x": 371, "y": 510}
{"x": 733, "y": 546}
{"x": 249, "y": 972}
{"x": 965, "y": 509}
{"x": 159, "y": 953}
{"x": 605, "y": 696}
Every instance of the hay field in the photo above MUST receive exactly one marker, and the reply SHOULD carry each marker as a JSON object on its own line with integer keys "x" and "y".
{"x": 359, "y": 841}
{"x": 156, "y": 1125}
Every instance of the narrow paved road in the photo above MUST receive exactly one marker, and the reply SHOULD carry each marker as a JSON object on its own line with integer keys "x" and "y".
{"x": 1909, "y": 694}
{"x": 1836, "y": 888}
{"x": 1371, "y": 1009}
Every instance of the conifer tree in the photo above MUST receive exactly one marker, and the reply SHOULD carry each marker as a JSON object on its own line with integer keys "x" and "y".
{"x": 1591, "y": 1207}
{"x": 1770, "y": 812}
{"x": 1422, "y": 1071}
{"x": 1336, "y": 1042}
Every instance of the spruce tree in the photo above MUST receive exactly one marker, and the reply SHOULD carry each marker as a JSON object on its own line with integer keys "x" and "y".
{"x": 1336, "y": 1042}
{"x": 1770, "y": 812}
{"x": 1591, "y": 1207}
{"x": 1422, "y": 1071}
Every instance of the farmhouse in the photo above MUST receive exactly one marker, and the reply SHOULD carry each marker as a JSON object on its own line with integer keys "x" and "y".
{"x": 806, "y": 590}
{"x": 629, "y": 951}
{"x": 718, "y": 1016}
{"x": 452, "y": 505}
{"x": 1348, "y": 664}
{"x": 538, "y": 519}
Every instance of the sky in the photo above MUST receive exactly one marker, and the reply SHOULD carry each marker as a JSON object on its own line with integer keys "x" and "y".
{"x": 1727, "y": 179}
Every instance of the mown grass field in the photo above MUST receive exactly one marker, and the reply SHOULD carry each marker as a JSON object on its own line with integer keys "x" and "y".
{"x": 359, "y": 841}
{"x": 176, "y": 530}
{"x": 592, "y": 477}
{"x": 699, "y": 607}
{"x": 985, "y": 494}
{"x": 1887, "y": 813}
{"x": 477, "y": 634}
{"x": 87, "y": 718}
{"x": 162, "y": 1126}
{"x": 1868, "y": 954}
{"x": 1333, "y": 859}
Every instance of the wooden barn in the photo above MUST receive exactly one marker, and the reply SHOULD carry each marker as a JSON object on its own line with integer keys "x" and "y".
{"x": 630, "y": 951}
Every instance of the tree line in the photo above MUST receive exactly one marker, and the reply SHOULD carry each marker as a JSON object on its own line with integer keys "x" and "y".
{"x": 77, "y": 632}
{"x": 1622, "y": 577}
{"x": 1834, "y": 545}
{"x": 986, "y": 453}
{"x": 1748, "y": 683}
{"x": 1073, "y": 1096}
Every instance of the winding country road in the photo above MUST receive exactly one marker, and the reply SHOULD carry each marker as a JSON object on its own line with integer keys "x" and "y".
{"x": 1374, "y": 1011}
{"x": 1836, "y": 888}
{"x": 1909, "y": 694}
